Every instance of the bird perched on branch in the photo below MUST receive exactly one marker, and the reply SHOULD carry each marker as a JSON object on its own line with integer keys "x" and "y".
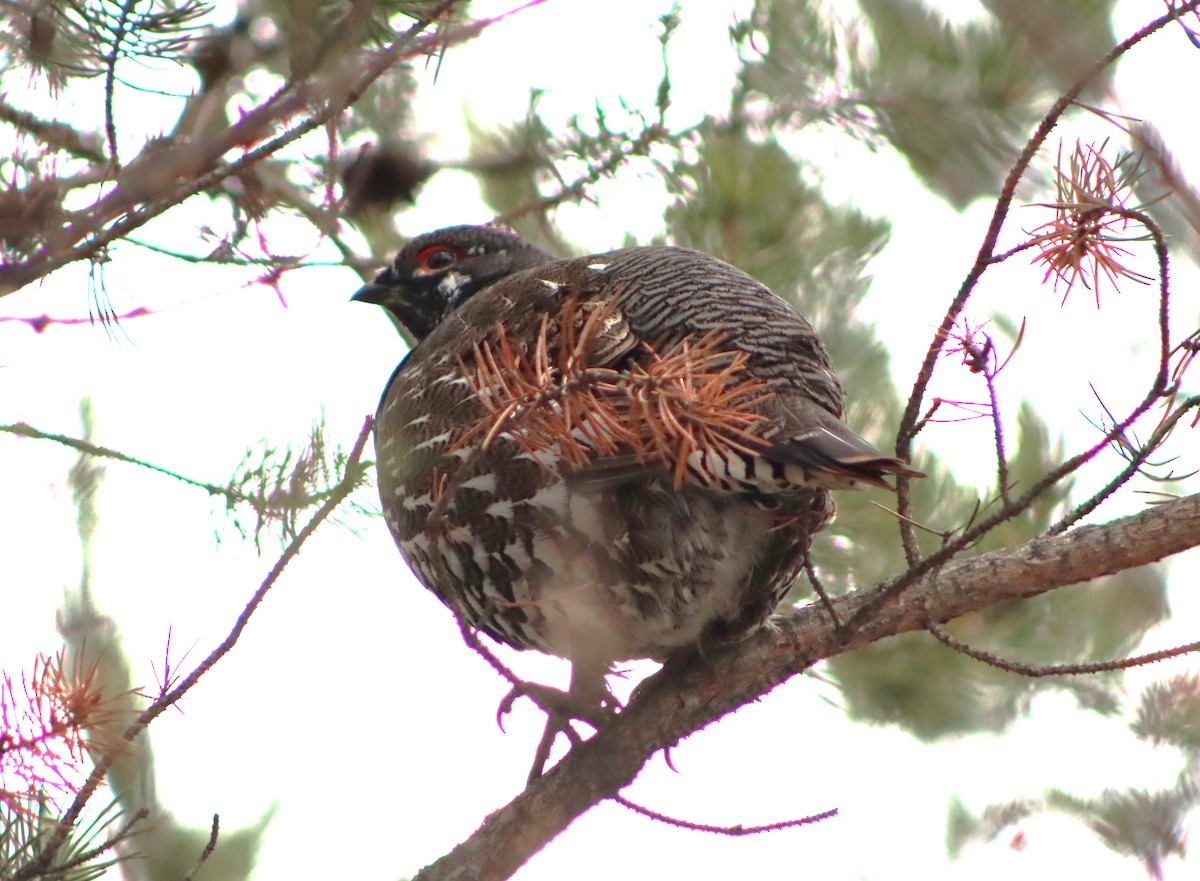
{"x": 605, "y": 458}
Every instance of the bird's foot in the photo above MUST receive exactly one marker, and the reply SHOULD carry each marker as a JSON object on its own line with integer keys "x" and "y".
{"x": 675, "y": 665}
{"x": 556, "y": 702}
{"x": 561, "y": 708}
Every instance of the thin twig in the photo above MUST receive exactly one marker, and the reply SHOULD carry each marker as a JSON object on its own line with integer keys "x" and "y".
{"x": 22, "y": 429}
{"x": 220, "y": 258}
{"x": 110, "y": 79}
{"x": 54, "y": 134}
{"x": 595, "y": 173}
{"x": 819, "y": 590}
{"x": 1038, "y": 671}
{"x": 214, "y": 832}
{"x": 87, "y": 856}
{"x": 1136, "y": 461}
{"x": 55, "y": 841}
{"x": 737, "y": 830}
{"x": 936, "y": 560}
{"x": 984, "y": 258}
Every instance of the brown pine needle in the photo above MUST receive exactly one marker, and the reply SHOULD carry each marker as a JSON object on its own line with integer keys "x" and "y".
{"x": 564, "y": 399}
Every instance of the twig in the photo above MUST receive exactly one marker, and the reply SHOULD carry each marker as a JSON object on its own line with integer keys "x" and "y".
{"x": 22, "y": 429}
{"x": 1002, "y": 483}
{"x": 595, "y": 173}
{"x": 968, "y": 537}
{"x": 1038, "y": 671}
{"x": 114, "y": 216}
{"x": 984, "y": 258}
{"x": 274, "y": 262}
{"x": 723, "y": 830}
{"x": 208, "y": 848}
{"x": 55, "y": 841}
{"x": 819, "y": 590}
{"x": 110, "y": 79}
{"x": 1158, "y": 388}
{"x": 54, "y": 134}
{"x": 1136, "y": 461}
{"x": 87, "y": 856}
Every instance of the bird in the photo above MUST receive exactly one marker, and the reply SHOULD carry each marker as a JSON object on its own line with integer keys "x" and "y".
{"x": 605, "y": 458}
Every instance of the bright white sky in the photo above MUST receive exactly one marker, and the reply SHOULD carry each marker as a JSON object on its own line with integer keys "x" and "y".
{"x": 351, "y": 702}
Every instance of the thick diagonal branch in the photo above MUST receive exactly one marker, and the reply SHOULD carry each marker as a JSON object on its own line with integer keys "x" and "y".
{"x": 668, "y": 710}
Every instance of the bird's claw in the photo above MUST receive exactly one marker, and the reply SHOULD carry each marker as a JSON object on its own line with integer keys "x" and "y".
{"x": 561, "y": 708}
{"x": 556, "y": 702}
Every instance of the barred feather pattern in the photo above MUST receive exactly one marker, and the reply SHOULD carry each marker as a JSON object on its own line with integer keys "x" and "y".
{"x": 612, "y": 457}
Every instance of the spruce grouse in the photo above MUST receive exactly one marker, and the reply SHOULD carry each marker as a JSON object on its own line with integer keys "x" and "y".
{"x": 605, "y": 458}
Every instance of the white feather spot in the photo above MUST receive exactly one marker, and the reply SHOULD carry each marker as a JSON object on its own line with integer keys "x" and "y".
{"x": 432, "y": 441}
{"x": 411, "y": 503}
{"x": 502, "y": 509}
{"x": 482, "y": 482}
{"x": 452, "y": 282}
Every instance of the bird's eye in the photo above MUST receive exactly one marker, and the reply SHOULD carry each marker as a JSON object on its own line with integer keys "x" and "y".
{"x": 436, "y": 258}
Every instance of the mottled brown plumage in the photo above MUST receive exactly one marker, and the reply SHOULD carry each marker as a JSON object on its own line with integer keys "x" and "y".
{"x": 605, "y": 458}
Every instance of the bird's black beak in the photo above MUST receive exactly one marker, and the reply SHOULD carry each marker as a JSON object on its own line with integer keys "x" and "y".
{"x": 371, "y": 292}
{"x": 378, "y": 290}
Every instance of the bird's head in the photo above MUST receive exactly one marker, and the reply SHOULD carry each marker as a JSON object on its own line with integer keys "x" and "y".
{"x": 437, "y": 272}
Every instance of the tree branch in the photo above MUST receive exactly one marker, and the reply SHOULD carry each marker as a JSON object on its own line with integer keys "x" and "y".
{"x": 671, "y": 706}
